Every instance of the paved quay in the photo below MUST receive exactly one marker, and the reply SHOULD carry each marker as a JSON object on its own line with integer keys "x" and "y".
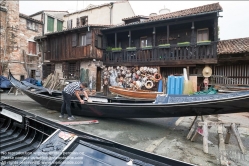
{"x": 159, "y": 135}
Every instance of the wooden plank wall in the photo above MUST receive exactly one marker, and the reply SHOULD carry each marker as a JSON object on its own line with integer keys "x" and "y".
{"x": 60, "y": 48}
{"x": 238, "y": 74}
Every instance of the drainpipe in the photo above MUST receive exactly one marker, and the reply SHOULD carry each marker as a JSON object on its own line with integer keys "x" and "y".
{"x": 111, "y": 12}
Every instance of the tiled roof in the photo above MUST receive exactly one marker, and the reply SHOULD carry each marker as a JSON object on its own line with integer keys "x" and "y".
{"x": 133, "y": 17}
{"x": 79, "y": 27}
{"x": 46, "y": 11}
{"x": 215, "y": 7}
{"x": 233, "y": 46}
{"x": 29, "y": 18}
{"x": 188, "y": 12}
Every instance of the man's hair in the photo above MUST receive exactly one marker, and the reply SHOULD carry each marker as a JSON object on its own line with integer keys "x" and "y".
{"x": 84, "y": 84}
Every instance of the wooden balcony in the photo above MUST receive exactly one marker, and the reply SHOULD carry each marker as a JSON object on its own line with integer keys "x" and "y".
{"x": 173, "y": 55}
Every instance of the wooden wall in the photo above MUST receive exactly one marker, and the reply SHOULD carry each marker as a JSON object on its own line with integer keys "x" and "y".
{"x": 65, "y": 47}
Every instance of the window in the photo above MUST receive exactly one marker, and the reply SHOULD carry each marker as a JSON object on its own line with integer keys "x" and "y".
{"x": 50, "y": 24}
{"x": 82, "y": 39}
{"x": 32, "y": 47}
{"x": 21, "y": 77}
{"x": 59, "y": 25}
{"x": 84, "y": 20}
{"x": 202, "y": 35}
{"x": 143, "y": 41}
{"x": 71, "y": 70}
{"x": 32, "y": 25}
{"x": 69, "y": 24}
{"x": 99, "y": 41}
{"x": 32, "y": 74}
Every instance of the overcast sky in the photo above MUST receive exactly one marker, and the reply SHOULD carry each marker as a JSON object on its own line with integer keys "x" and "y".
{"x": 233, "y": 24}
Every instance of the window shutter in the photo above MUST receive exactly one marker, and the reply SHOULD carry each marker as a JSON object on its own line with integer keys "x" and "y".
{"x": 34, "y": 48}
{"x": 69, "y": 24}
{"x": 65, "y": 69}
{"x": 30, "y": 47}
{"x": 74, "y": 39}
{"x": 96, "y": 41}
{"x": 50, "y": 26}
{"x": 78, "y": 22}
{"x": 88, "y": 38}
{"x": 59, "y": 25}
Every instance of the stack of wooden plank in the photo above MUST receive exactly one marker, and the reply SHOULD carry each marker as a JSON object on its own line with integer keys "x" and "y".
{"x": 53, "y": 82}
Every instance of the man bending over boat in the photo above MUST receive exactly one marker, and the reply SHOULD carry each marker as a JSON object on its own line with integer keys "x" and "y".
{"x": 69, "y": 90}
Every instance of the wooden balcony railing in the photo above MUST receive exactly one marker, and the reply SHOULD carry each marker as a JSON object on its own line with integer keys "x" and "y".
{"x": 173, "y": 54}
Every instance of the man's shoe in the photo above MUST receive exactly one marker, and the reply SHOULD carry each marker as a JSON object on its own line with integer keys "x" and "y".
{"x": 61, "y": 116}
{"x": 71, "y": 118}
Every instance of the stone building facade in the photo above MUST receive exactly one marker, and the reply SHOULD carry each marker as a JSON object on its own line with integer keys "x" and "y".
{"x": 16, "y": 31}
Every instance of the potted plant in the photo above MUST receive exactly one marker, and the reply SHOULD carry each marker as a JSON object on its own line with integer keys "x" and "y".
{"x": 131, "y": 49}
{"x": 183, "y": 44}
{"x": 205, "y": 42}
{"x": 117, "y": 49}
{"x": 108, "y": 48}
{"x": 146, "y": 47}
{"x": 164, "y": 46}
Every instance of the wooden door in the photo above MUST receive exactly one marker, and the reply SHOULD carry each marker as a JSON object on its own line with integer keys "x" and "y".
{"x": 98, "y": 80}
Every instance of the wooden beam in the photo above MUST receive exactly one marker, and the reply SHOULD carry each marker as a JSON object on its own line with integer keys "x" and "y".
{"x": 193, "y": 32}
{"x": 236, "y": 133}
{"x": 129, "y": 38}
{"x": 153, "y": 24}
{"x": 167, "y": 34}
{"x": 223, "y": 155}
{"x": 172, "y": 63}
{"x": 205, "y": 137}
{"x": 154, "y": 36}
{"x": 115, "y": 40}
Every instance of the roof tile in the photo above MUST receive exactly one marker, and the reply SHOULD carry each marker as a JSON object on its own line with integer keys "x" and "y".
{"x": 233, "y": 46}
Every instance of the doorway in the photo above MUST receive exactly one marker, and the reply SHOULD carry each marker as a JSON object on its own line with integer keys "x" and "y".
{"x": 98, "y": 80}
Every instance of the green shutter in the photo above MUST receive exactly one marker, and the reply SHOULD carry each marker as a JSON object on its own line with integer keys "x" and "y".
{"x": 59, "y": 25}
{"x": 50, "y": 26}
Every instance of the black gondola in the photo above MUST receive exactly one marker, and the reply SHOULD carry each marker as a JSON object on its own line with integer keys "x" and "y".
{"x": 163, "y": 106}
{"x": 27, "y": 139}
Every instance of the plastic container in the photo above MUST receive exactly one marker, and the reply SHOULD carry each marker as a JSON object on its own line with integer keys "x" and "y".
{"x": 175, "y": 85}
{"x": 160, "y": 86}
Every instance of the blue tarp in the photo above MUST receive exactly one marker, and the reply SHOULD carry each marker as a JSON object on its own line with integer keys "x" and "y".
{"x": 5, "y": 82}
{"x": 33, "y": 81}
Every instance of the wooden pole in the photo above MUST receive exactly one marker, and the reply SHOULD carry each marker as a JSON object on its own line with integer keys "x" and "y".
{"x": 129, "y": 38}
{"x": 167, "y": 34}
{"x": 228, "y": 135}
{"x": 115, "y": 40}
{"x": 205, "y": 137}
{"x": 223, "y": 155}
{"x": 154, "y": 36}
{"x": 236, "y": 133}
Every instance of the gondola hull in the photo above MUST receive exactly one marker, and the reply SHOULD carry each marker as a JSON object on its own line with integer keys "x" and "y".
{"x": 176, "y": 105}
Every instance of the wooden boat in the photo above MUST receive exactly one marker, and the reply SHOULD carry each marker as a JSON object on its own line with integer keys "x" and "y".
{"x": 164, "y": 106}
{"x": 135, "y": 94}
{"x": 27, "y": 139}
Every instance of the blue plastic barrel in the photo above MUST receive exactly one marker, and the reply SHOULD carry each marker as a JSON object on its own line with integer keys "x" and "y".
{"x": 160, "y": 86}
{"x": 175, "y": 85}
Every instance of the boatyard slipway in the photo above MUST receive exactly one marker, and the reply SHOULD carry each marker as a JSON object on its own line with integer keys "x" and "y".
{"x": 162, "y": 136}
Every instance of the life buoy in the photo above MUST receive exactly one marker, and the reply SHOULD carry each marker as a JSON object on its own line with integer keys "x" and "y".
{"x": 149, "y": 84}
{"x": 157, "y": 77}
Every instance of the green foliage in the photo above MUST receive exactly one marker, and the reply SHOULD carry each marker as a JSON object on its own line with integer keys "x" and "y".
{"x": 108, "y": 48}
{"x": 117, "y": 49}
{"x": 131, "y": 48}
{"x": 164, "y": 45}
{"x": 205, "y": 41}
